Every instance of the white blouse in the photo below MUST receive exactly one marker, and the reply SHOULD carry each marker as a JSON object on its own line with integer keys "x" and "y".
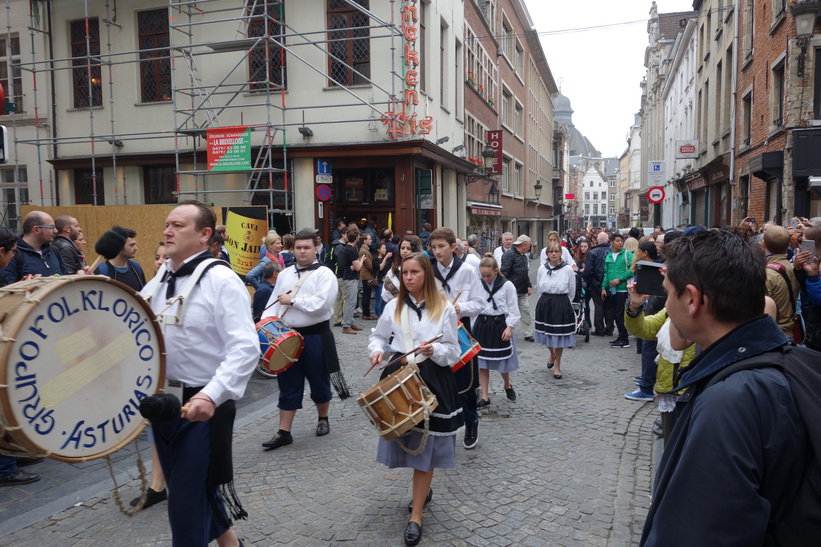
{"x": 507, "y": 302}
{"x": 562, "y": 281}
{"x": 446, "y": 350}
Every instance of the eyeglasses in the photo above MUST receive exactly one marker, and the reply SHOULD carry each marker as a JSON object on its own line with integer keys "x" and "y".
{"x": 46, "y": 226}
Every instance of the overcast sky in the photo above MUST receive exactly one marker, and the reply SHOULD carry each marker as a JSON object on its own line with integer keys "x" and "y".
{"x": 599, "y": 70}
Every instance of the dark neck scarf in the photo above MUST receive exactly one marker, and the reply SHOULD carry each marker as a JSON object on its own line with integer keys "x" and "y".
{"x": 184, "y": 271}
{"x": 454, "y": 267}
{"x": 412, "y": 305}
{"x": 312, "y": 267}
{"x": 498, "y": 282}
{"x": 550, "y": 269}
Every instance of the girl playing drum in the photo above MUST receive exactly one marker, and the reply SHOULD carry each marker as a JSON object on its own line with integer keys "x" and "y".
{"x": 493, "y": 329}
{"x": 422, "y": 312}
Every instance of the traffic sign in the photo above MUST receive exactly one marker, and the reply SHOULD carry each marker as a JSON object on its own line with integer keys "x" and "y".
{"x": 655, "y": 173}
{"x": 323, "y": 192}
{"x": 323, "y": 167}
{"x": 324, "y": 179}
{"x": 655, "y": 194}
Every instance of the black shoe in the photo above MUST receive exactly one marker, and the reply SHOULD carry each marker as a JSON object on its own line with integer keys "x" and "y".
{"x": 152, "y": 497}
{"x": 620, "y": 344}
{"x": 278, "y": 440}
{"x": 427, "y": 501}
{"x": 337, "y": 324}
{"x": 471, "y": 435}
{"x": 322, "y": 428}
{"x": 413, "y": 533}
{"x": 529, "y": 339}
{"x": 18, "y": 478}
{"x": 511, "y": 394}
{"x": 23, "y": 462}
{"x": 550, "y": 365}
{"x": 615, "y": 341}
{"x": 483, "y": 403}
{"x": 597, "y": 333}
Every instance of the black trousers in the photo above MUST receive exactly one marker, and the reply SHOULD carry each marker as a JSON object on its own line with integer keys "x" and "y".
{"x": 603, "y": 313}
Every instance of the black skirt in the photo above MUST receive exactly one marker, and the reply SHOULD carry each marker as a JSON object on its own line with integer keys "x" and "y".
{"x": 488, "y": 331}
{"x": 447, "y": 417}
{"x": 554, "y": 315}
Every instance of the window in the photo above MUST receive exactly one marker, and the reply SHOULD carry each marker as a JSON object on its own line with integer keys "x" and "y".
{"x": 777, "y": 99}
{"x": 518, "y": 63}
{"x": 159, "y": 184}
{"x": 267, "y": 60}
{"x": 746, "y": 118}
{"x": 444, "y": 93}
{"x": 10, "y": 206}
{"x": 747, "y": 33}
{"x": 155, "y": 64}
{"x": 10, "y": 74}
{"x": 506, "y": 42}
{"x": 595, "y": 195}
{"x": 517, "y": 180}
{"x": 507, "y": 114}
{"x": 595, "y": 208}
{"x": 518, "y": 120}
{"x": 488, "y": 9}
{"x": 505, "y": 175}
{"x": 85, "y": 185}
{"x": 7, "y": 174}
{"x": 587, "y": 196}
{"x": 612, "y": 183}
{"x": 612, "y": 196}
{"x": 350, "y": 48}
{"x": 86, "y": 84}
{"x": 778, "y": 10}
{"x": 586, "y": 208}
{"x": 612, "y": 210}
{"x": 816, "y": 94}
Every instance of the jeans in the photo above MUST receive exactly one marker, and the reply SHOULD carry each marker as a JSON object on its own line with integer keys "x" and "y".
{"x": 351, "y": 291}
{"x": 8, "y": 465}
{"x": 618, "y": 301}
{"x": 378, "y": 303}
{"x": 648, "y": 366}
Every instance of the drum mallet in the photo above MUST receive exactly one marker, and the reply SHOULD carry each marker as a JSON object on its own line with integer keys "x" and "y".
{"x": 108, "y": 246}
{"x": 456, "y": 298}
{"x": 414, "y": 350}
{"x": 162, "y": 408}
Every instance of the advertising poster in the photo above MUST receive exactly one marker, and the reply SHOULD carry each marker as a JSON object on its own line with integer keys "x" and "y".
{"x": 229, "y": 148}
{"x": 245, "y": 227}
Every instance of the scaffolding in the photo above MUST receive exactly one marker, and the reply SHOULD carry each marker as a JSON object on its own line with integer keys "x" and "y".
{"x": 262, "y": 52}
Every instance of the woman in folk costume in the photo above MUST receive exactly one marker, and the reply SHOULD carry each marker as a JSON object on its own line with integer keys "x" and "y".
{"x": 555, "y": 320}
{"x": 391, "y": 282}
{"x": 419, "y": 314}
{"x": 493, "y": 329}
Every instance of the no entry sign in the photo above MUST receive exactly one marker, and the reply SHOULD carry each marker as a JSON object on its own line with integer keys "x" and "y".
{"x": 655, "y": 194}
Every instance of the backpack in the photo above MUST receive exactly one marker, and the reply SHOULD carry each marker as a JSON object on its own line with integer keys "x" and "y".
{"x": 800, "y": 521}
{"x": 332, "y": 261}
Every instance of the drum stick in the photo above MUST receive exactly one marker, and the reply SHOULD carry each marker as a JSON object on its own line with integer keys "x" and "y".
{"x": 96, "y": 263}
{"x": 272, "y": 303}
{"x": 414, "y": 350}
{"x": 456, "y": 297}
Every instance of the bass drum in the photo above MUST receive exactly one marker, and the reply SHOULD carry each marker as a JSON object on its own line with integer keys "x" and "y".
{"x": 77, "y": 355}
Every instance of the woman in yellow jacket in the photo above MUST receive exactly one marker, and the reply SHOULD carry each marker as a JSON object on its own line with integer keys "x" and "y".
{"x": 669, "y": 361}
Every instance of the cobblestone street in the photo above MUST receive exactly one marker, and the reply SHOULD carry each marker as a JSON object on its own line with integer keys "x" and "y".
{"x": 569, "y": 463}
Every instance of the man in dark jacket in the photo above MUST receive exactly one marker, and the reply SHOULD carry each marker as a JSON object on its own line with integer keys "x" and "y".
{"x": 737, "y": 454}
{"x": 516, "y": 268}
{"x": 594, "y": 275}
{"x": 35, "y": 254}
{"x": 68, "y": 230}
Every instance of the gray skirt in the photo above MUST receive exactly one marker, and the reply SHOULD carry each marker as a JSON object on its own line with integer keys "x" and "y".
{"x": 439, "y": 452}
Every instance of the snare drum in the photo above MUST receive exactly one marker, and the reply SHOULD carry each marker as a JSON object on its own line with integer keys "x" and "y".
{"x": 469, "y": 346}
{"x": 77, "y": 355}
{"x": 398, "y": 402}
{"x": 280, "y": 344}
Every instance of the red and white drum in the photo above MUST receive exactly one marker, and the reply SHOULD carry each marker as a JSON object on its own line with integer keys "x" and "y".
{"x": 77, "y": 354}
{"x": 469, "y": 346}
{"x": 280, "y": 344}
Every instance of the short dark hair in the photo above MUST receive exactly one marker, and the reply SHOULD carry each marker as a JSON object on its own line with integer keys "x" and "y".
{"x": 206, "y": 217}
{"x": 635, "y": 232}
{"x": 216, "y": 238}
{"x": 306, "y": 233}
{"x": 7, "y": 239}
{"x": 62, "y": 221}
{"x": 650, "y": 248}
{"x": 614, "y": 235}
{"x": 704, "y": 261}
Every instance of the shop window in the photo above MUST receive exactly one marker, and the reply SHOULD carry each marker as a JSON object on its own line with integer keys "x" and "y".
{"x": 374, "y": 186}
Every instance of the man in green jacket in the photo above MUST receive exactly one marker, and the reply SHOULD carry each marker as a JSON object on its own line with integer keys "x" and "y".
{"x": 614, "y": 285}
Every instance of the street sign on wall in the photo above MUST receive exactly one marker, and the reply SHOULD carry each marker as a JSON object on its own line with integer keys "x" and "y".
{"x": 686, "y": 149}
{"x": 655, "y": 173}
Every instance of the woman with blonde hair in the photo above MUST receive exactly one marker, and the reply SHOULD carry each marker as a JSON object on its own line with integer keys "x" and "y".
{"x": 273, "y": 246}
{"x": 408, "y": 322}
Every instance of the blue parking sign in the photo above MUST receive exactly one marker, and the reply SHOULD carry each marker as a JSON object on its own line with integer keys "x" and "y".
{"x": 323, "y": 167}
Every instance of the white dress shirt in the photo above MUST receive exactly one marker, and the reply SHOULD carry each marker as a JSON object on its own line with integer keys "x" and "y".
{"x": 497, "y": 254}
{"x": 507, "y": 303}
{"x": 446, "y": 350}
{"x": 467, "y": 281}
{"x": 216, "y": 345}
{"x": 313, "y": 303}
{"x": 567, "y": 258}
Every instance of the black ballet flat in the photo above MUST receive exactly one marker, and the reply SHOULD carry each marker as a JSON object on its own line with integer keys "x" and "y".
{"x": 557, "y": 376}
{"x": 413, "y": 533}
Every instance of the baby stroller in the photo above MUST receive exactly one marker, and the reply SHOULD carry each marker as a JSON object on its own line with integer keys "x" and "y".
{"x": 579, "y": 309}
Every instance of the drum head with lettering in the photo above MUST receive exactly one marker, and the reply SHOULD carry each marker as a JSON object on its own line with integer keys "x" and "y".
{"x": 80, "y": 353}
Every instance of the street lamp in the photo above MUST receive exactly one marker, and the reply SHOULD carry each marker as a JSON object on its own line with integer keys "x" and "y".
{"x": 804, "y": 13}
{"x": 537, "y": 191}
{"x": 488, "y": 158}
